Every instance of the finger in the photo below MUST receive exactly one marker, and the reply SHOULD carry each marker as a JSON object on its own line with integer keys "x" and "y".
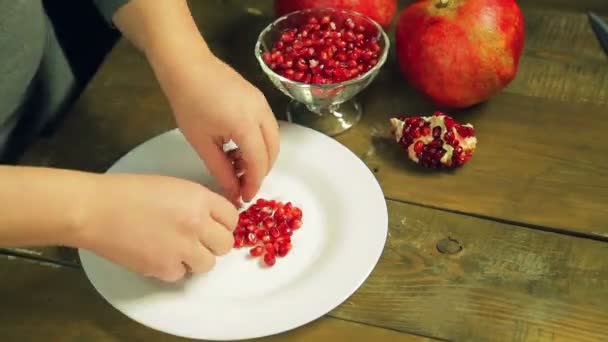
{"x": 199, "y": 259}
{"x": 223, "y": 212}
{"x": 270, "y": 132}
{"x": 216, "y": 238}
{"x": 221, "y": 168}
{"x": 171, "y": 272}
{"x": 255, "y": 156}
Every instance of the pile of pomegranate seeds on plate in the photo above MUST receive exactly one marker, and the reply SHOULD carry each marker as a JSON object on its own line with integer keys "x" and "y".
{"x": 324, "y": 50}
{"x": 267, "y": 227}
{"x": 436, "y": 141}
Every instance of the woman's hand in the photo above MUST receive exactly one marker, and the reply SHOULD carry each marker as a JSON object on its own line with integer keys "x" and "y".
{"x": 155, "y": 225}
{"x": 213, "y": 104}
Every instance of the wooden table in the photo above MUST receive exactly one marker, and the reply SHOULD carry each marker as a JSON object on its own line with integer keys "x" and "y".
{"x": 511, "y": 247}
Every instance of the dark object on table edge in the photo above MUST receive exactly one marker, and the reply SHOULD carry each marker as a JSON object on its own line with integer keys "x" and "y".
{"x": 601, "y": 30}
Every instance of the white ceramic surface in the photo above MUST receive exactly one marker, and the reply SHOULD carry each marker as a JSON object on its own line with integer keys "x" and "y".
{"x": 342, "y": 237}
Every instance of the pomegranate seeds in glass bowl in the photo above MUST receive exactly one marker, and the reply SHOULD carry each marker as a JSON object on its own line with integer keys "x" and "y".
{"x": 322, "y": 58}
{"x": 266, "y": 227}
{"x": 437, "y": 141}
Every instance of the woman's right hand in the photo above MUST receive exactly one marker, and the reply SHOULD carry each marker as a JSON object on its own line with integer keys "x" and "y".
{"x": 156, "y": 225}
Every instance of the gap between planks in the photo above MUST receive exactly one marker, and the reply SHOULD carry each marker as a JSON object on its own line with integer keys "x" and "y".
{"x": 566, "y": 232}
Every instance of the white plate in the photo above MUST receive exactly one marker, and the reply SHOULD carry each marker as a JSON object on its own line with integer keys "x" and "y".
{"x": 342, "y": 237}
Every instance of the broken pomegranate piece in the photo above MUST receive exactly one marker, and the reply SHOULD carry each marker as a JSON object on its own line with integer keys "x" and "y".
{"x": 267, "y": 227}
{"x": 436, "y": 141}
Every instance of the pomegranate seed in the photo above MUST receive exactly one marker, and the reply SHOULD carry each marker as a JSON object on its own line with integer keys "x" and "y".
{"x": 313, "y": 20}
{"x": 325, "y": 20}
{"x": 240, "y": 230}
{"x": 256, "y": 251}
{"x": 266, "y": 238}
{"x": 274, "y": 232}
{"x": 284, "y": 249}
{"x": 252, "y": 238}
{"x": 260, "y": 233}
{"x": 297, "y": 213}
{"x": 283, "y": 239}
{"x": 289, "y": 73}
{"x": 269, "y": 259}
{"x": 288, "y": 206}
{"x": 268, "y": 223}
{"x": 238, "y": 241}
{"x": 349, "y": 23}
{"x": 301, "y": 64}
{"x": 269, "y": 247}
{"x": 426, "y": 130}
{"x": 288, "y": 231}
{"x": 437, "y": 132}
{"x": 418, "y": 146}
{"x": 295, "y": 224}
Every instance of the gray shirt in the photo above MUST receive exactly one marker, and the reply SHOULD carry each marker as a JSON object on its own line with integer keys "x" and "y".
{"x": 36, "y": 78}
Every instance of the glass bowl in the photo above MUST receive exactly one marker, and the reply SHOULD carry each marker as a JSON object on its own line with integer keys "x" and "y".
{"x": 329, "y": 108}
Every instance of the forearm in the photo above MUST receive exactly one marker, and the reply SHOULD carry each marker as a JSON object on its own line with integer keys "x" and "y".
{"x": 166, "y": 33}
{"x": 161, "y": 29}
{"x": 41, "y": 206}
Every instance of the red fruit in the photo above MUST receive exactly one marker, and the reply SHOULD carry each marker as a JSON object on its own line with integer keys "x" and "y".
{"x": 269, "y": 259}
{"x": 460, "y": 53}
{"x": 443, "y": 143}
{"x": 382, "y": 11}
{"x": 256, "y": 251}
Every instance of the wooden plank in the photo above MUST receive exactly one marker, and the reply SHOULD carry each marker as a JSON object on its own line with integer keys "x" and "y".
{"x": 41, "y": 302}
{"x": 562, "y": 59}
{"x": 443, "y": 275}
{"x": 502, "y": 283}
{"x": 599, "y": 6}
{"x": 530, "y": 166}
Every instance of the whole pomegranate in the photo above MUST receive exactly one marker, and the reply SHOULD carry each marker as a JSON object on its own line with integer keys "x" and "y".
{"x": 382, "y": 11}
{"x": 459, "y": 52}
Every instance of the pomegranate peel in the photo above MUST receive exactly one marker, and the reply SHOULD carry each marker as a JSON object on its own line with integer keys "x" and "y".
{"x": 436, "y": 141}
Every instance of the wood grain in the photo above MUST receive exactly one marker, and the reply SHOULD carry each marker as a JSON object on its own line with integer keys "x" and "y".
{"x": 45, "y": 302}
{"x": 491, "y": 281}
{"x": 504, "y": 283}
